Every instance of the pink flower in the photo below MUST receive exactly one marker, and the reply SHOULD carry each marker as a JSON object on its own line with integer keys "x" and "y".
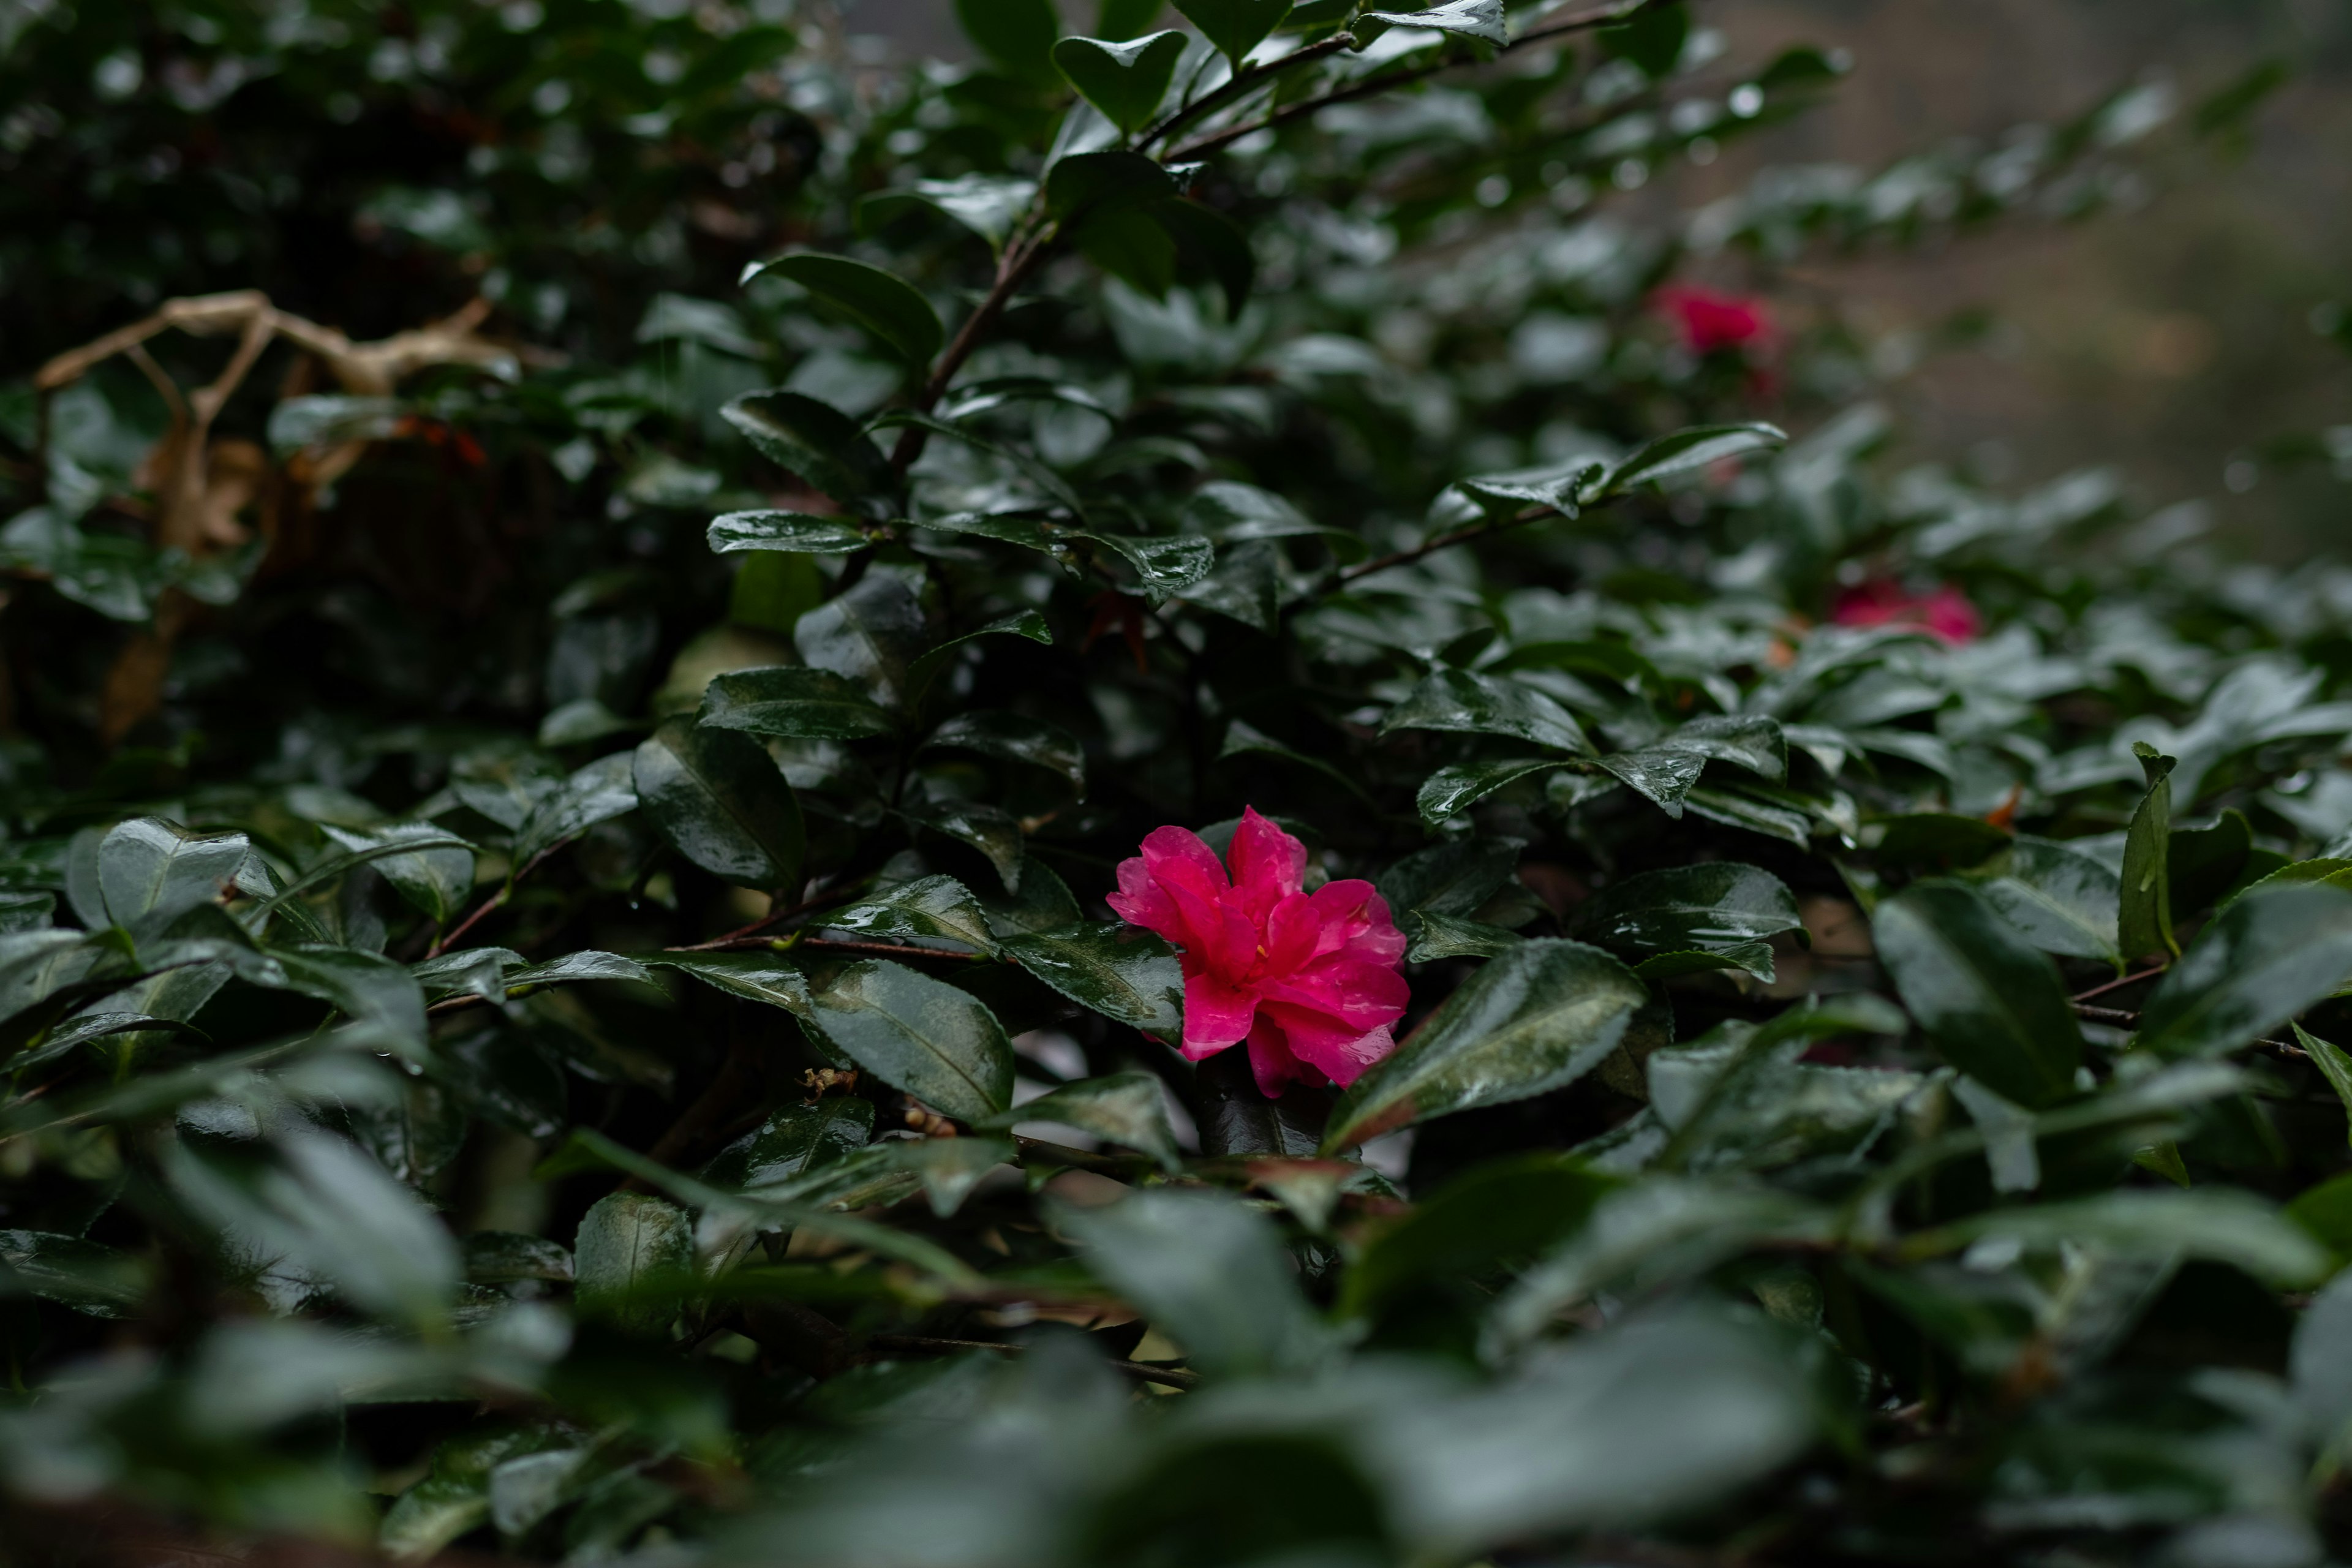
{"x": 1710, "y": 321}
{"x": 1882, "y": 602}
{"x": 1308, "y": 978}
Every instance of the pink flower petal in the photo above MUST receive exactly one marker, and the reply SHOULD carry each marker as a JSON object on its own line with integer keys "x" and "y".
{"x": 1342, "y": 1054}
{"x": 1216, "y": 1015}
{"x": 1356, "y": 922}
{"x": 1360, "y": 994}
{"x": 1268, "y": 864}
{"x": 1272, "y": 1062}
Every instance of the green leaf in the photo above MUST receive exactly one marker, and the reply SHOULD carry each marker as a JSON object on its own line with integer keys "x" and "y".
{"x": 718, "y": 800}
{"x": 504, "y": 1256}
{"x": 1994, "y": 1005}
{"x": 1242, "y": 738}
{"x": 814, "y": 440}
{"x": 436, "y": 881}
{"x": 1687, "y": 451}
{"x": 1018, "y": 35}
{"x": 1435, "y": 936}
{"x": 2204, "y": 862}
{"x": 920, "y": 1035}
{"x": 992, "y": 830}
{"x": 1745, "y": 808}
{"x": 1939, "y": 840}
{"x": 1125, "y": 81}
{"x": 766, "y": 977}
{"x": 2145, "y": 923}
{"x": 1042, "y": 902}
{"x": 882, "y": 303}
{"x": 1125, "y": 973}
{"x": 1210, "y": 245}
{"x": 151, "y": 871}
{"x": 988, "y": 205}
{"x": 2333, "y": 1066}
{"x": 788, "y": 530}
{"x": 1166, "y": 564}
{"x": 1748, "y": 957}
{"x": 1234, "y": 26}
{"x": 1467, "y": 703}
{"x": 1710, "y": 907}
{"x": 2217, "y": 1224}
{"x": 2256, "y": 964}
{"x": 794, "y": 1140}
{"x": 604, "y": 789}
{"x": 1450, "y": 791}
{"x": 1531, "y": 1020}
{"x": 1480, "y": 20}
{"x": 1126, "y": 1107}
{"x": 85, "y": 1276}
{"x": 312, "y": 1205}
{"x": 1208, "y": 1271}
{"x": 367, "y": 987}
{"x": 871, "y": 633}
{"x": 793, "y": 702}
{"x": 1085, "y": 188}
{"x": 999, "y": 732}
{"x": 1451, "y": 878}
{"x": 632, "y": 1254}
{"x": 950, "y": 1168}
{"x": 1125, "y": 19}
{"x": 925, "y": 907}
{"x": 1026, "y": 624}
{"x": 1497, "y": 1215}
{"x": 1247, "y": 584}
{"x": 1652, "y": 37}
{"x": 2060, "y": 900}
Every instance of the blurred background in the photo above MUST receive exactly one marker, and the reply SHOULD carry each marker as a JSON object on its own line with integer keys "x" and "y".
{"x": 2169, "y": 341}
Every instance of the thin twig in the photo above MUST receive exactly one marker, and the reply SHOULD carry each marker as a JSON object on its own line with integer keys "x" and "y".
{"x": 496, "y": 901}
{"x": 2120, "y": 982}
{"x": 1432, "y": 546}
{"x": 1592, "y": 16}
{"x": 1142, "y": 1372}
{"x": 1020, "y": 262}
{"x": 815, "y": 901}
{"x": 2116, "y": 1016}
{"x": 1243, "y": 83}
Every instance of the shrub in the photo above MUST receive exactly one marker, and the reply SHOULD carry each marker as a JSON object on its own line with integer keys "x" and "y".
{"x": 613, "y": 938}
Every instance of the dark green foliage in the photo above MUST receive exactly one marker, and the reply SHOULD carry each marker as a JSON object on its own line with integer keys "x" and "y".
{"x": 556, "y": 994}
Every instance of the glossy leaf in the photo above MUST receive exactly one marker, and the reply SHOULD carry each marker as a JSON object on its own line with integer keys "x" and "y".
{"x": 812, "y": 440}
{"x": 999, "y": 732}
{"x": 2144, "y": 925}
{"x": 925, "y": 907}
{"x": 2256, "y": 964}
{"x": 604, "y": 789}
{"x": 149, "y": 870}
{"x": 1718, "y": 905}
{"x": 1209, "y": 1270}
{"x": 1125, "y": 81}
{"x": 790, "y": 530}
{"x": 1479, "y": 19}
{"x": 1018, "y": 35}
{"x": 1126, "y": 1107}
{"x": 1541, "y": 1015}
{"x": 1234, "y": 26}
{"x": 882, "y": 303}
{"x": 2060, "y": 900}
{"x": 1470, "y": 703}
{"x": 633, "y": 1251}
{"x": 436, "y": 881}
{"x": 793, "y": 702}
{"x": 1127, "y": 974}
{"x": 920, "y": 1035}
{"x": 1687, "y": 451}
{"x": 719, "y": 801}
{"x": 869, "y": 634}
{"x": 1993, "y": 1005}
{"x": 1450, "y": 791}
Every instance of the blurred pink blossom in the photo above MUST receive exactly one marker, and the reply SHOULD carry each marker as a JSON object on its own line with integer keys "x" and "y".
{"x": 1709, "y": 321}
{"x": 1308, "y": 978}
{"x": 1882, "y": 602}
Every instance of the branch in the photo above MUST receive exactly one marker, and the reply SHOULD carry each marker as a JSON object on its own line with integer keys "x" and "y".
{"x": 2120, "y": 981}
{"x": 1432, "y": 546}
{"x": 1591, "y": 17}
{"x": 1243, "y": 83}
{"x": 1020, "y": 261}
{"x": 496, "y": 901}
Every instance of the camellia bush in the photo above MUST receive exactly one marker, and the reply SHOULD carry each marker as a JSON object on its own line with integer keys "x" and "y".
{"x": 1186, "y": 798}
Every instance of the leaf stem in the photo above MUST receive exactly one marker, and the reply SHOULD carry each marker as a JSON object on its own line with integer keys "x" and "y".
{"x": 2120, "y": 981}
{"x": 1444, "y": 541}
{"x": 496, "y": 901}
